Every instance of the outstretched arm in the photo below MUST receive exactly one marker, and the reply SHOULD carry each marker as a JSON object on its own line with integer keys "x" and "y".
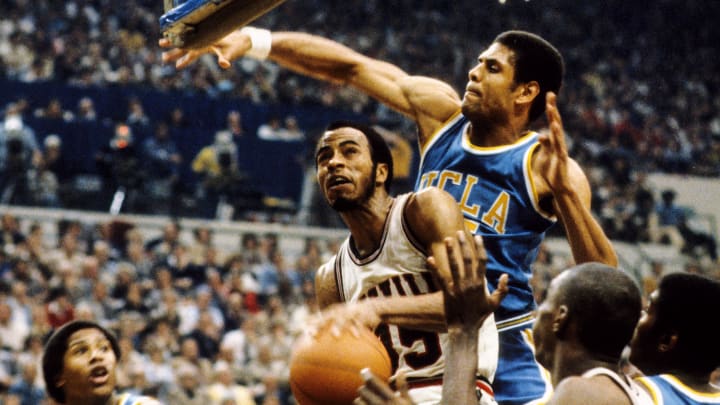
{"x": 564, "y": 179}
{"x": 429, "y": 102}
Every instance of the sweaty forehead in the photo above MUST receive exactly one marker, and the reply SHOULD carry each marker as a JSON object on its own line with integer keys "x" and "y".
{"x": 341, "y": 136}
{"x": 86, "y": 335}
{"x": 498, "y": 52}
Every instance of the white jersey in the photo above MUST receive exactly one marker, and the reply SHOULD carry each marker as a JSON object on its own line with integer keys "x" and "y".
{"x": 635, "y": 393}
{"x": 398, "y": 268}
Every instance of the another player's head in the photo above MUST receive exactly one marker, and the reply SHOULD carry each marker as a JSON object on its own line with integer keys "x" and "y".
{"x": 592, "y": 306}
{"x": 79, "y": 362}
{"x": 679, "y": 331}
{"x": 352, "y": 161}
{"x": 520, "y": 67}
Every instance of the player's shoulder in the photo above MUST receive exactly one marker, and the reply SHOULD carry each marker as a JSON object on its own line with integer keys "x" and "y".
{"x": 581, "y": 390}
{"x": 428, "y": 201}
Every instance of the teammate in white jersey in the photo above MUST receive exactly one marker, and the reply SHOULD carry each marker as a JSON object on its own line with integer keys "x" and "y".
{"x": 512, "y": 84}
{"x": 582, "y": 327}
{"x": 79, "y": 362}
{"x": 380, "y": 272}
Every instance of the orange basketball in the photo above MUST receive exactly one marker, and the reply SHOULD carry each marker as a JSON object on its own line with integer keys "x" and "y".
{"x": 325, "y": 369}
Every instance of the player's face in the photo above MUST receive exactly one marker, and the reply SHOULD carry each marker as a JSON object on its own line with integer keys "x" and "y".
{"x": 345, "y": 170}
{"x": 89, "y": 366}
{"x": 543, "y": 334}
{"x": 644, "y": 341}
{"x": 490, "y": 89}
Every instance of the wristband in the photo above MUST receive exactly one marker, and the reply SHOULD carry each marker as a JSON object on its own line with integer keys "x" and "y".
{"x": 260, "y": 42}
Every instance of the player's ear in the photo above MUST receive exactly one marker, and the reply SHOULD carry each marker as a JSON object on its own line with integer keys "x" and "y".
{"x": 560, "y": 320}
{"x": 667, "y": 342}
{"x": 381, "y": 172}
{"x": 527, "y": 92}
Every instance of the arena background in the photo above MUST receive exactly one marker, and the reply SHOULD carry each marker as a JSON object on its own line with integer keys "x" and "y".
{"x": 640, "y": 105}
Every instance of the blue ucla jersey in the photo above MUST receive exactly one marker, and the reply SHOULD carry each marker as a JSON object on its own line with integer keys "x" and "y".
{"x": 493, "y": 186}
{"x": 666, "y": 389}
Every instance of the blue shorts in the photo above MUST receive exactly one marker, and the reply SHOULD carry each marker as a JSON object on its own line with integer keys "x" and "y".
{"x": 519, "y": 378}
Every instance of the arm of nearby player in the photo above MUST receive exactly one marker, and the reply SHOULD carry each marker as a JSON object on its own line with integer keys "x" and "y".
{"x": 326, "y": 290}
{"x": 430, "y": 102}
{"x": 556, "y": 173}
{"x": 432, "y": 215}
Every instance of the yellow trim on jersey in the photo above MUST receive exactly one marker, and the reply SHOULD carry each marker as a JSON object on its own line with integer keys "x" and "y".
{"x": 651, "y": 388}
{"x": 534, "y": 197}
{"x": 676, "y": 381}
{"x": 510, "y": 322}
{"x": 544, "y": 373}
{"x": 521, "y": 140}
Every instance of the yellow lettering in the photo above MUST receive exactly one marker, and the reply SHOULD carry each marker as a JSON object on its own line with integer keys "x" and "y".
{"x": 474, "y": 209}
{"x": 496, "y": 216}
{"x": 446, "y": 175}
{"x": 427, "y": 179}
{"x": 471, "y": 226}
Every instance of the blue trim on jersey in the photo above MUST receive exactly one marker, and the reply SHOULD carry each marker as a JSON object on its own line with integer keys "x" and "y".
{"x": 495, "y": 193}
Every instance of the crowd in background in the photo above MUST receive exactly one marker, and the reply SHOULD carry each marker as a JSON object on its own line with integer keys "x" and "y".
{"x": 639, "y": 97}
{"x": 197, "y": 324}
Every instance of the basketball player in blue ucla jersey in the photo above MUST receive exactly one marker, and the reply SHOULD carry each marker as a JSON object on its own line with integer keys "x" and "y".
{"x": 79, "y": 362}
{"x": 511, "y": 184}
{"x": 677, "y": 341}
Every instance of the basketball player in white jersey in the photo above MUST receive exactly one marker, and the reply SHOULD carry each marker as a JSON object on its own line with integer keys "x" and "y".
{"x": 380, "y": 271}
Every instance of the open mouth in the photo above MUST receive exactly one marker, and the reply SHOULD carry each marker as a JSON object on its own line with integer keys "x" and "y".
{"x": 336, "y": 181}
{"x": 99, "y": 375}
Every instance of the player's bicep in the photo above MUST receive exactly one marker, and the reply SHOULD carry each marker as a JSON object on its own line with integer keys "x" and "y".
{"x": 326, "y": 289}
{"x": 432, "y": 101}
{"x": 432, "y": 216}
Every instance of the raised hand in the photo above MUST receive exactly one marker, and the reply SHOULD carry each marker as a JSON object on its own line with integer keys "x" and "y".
{"x": 553, "y": 154}
{"x": 226, "y": 49}
{"x": 467, "y": 300}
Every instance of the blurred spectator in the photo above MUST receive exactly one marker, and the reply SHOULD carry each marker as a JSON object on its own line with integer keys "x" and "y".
{"x": 291, "y": 131}
{"x": 272, "y": 130}
{"x": 13, "y": 329}
{"x": 223, "y": 189}
{"x": 669, "y": 217}
{"x": 29, "y": 392}
{"x": 162, "y": 164}
{"x": 86, "y": 110}
{"x": 54, "y": 111}
{"x": 19, "y": 154}
{"x": 233, "y": 126}
{"x": 224, "y": 387}
{"x": 119, "y": 163}
{"x": 188, "y": 390}
{"x": 190, "y": 355}
{"x": 136, "y": 117}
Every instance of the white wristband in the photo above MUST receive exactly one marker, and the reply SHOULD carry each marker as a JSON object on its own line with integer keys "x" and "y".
{"x": 260, "y": 42}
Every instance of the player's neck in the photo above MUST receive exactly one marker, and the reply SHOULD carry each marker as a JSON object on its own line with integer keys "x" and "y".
{"x": 367, "y": 223}
{"x": 489, "y": 135}
{"x": 575, "y": 361}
